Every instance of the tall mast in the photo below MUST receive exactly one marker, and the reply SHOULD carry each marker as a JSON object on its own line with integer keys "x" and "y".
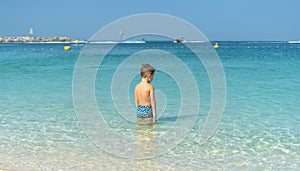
{"x": 121, "y": 35}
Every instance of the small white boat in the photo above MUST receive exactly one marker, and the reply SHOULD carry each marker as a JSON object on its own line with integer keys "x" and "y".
{"x": 294, "y": 41}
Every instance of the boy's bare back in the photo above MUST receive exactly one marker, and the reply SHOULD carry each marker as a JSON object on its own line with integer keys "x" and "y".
{"x": 143, "y": 92}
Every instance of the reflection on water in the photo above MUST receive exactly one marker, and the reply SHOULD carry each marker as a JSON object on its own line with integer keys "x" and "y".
{"x": 145, "y": 141}
{"x": 146, "y": 144}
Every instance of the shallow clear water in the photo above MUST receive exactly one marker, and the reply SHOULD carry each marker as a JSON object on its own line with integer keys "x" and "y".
{"x": 259, "y": 130}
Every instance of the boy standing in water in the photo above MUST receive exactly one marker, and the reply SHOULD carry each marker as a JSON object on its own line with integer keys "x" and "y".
{"x": 144, "y": 97}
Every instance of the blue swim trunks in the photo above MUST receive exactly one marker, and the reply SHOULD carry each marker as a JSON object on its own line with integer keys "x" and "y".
{"x": 144, "y": 112}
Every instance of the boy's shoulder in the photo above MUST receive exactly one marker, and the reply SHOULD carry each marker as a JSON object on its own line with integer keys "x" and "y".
{"x": 148, "y": 85}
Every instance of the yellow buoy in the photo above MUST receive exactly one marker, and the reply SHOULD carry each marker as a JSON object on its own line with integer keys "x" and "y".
{"x": 216, "y": 46}
{"x": 76, "y": 41}
{"x": 67, "y": 47}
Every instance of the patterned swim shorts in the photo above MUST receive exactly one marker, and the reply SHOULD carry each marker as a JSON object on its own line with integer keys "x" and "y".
{"x": 144, "y": 112}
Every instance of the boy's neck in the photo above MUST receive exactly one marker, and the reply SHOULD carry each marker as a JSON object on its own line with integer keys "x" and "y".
{"x": 144, "y": 80}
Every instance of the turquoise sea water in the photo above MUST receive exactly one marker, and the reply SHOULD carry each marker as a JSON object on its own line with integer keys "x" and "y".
{"x": 259, "y": 129}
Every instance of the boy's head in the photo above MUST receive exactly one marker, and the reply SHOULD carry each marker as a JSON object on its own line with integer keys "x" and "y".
{"x": 147, "y": 71}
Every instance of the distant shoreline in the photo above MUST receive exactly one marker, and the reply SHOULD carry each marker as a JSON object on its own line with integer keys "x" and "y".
{"x": 35, "y": 39}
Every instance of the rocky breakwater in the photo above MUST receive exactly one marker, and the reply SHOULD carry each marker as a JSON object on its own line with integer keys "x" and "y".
{"x": 36, "y": 39}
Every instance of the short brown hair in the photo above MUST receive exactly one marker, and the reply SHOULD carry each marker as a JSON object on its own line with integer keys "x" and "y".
{"x": 147, "y": 69}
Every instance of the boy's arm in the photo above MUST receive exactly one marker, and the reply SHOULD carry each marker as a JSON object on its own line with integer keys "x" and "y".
{"x": 153, "y": 103}
{"x": 135, "y": 98}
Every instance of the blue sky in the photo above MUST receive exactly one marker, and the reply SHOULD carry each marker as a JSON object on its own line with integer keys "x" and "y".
{"x": 217, "y": 19}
